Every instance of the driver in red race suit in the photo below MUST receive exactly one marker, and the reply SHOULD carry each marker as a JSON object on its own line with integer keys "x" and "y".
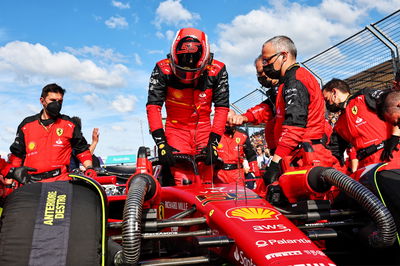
{"x": 45, "y": 141}
{"x": 234, "y": 147}
{"x": 188, "y": 81}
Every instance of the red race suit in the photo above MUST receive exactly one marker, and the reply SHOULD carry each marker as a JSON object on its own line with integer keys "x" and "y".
{"x": 299, "y": 116}
{"x": 232, "y": 149}
{"x": 48, "y": 148}
{"x": 188, "y": 107}
{"x": 360, "y": 125}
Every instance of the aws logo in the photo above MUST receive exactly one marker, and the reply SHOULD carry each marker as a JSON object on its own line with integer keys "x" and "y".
{"x": 253, "y": 213}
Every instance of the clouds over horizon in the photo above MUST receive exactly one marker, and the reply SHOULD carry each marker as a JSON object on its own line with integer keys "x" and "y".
{"x": 312, "y": 28}
{"x": 172, "y": 13}
{"x": 117, "y": 22}
{"x": 29, "y": 61}
{"x": 120, "y": 5}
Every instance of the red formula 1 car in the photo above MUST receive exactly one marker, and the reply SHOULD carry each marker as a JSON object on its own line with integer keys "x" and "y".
{"x": 314, "y": 216}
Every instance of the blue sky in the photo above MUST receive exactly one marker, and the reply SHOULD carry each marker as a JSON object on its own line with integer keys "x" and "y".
{"x": 103, "y": 51}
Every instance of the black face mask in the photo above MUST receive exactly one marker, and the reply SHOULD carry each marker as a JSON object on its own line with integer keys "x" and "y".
{"x": 271, "y": 72}
{"x": 54, "y": 108}
{"x": 265, "y": 82}
{"x": 333, "y": 108}
{"x": 230, "y": 130}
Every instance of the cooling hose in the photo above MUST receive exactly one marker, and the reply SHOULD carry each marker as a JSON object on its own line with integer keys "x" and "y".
{"x": 139, "y": 189}
{"x": 385, "y": 235}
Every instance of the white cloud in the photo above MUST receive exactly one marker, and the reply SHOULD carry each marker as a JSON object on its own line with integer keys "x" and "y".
{"x": 138, "y": 60}
{"x": 171, "y": 12}
{"x": 92, "y": 99}
{"x": 240, "y": 41}
{"x": 124, "y": 104}
{"x": 117, "y": 22}
{"x": 118, "y": 128}
{"x": 156, "y": 51}
{"x": 98, "y": 52}
{"x": 170, "y": 34}
{"x": 97, "y": 18}
{"x": 120, "y": 5}
{"x": 382, "y": 6}
{"x": 159, "y": 35}
{"x": 35, "y": 61}
{"x": 342, "y": 12}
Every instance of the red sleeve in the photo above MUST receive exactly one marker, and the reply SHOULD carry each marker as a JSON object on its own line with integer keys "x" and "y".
{"x": 352, "y": 153}
{"x": 254, "y": 168}
{"x": 291, "y": 136}
{"x": 4, "y": 167}
{"x": 15, "y": 161}
{"x": 220, "y": 117}
{"x": 84, "y": 156}
{"x": 154, "y": 116}
{"x": 260, "y": 113}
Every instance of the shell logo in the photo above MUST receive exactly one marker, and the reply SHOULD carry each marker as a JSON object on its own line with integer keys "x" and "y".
{"x": 31, "y": 145}
{"x": 253, "y": 213}
{"x": 177, "y": 94}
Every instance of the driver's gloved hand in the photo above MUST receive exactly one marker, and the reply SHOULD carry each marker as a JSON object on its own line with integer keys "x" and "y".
{"x": 390, "y": 146}
{"x": 211, "y": 149}
{"x": 21, "y": 174}
{"x": 272, "y": 173}
{"x": 165, "y": 151}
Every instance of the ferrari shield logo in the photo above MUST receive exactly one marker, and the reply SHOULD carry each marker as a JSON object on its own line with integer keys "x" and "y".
{"x": 253, "y": 213}
{"x": 59, "y": 131}
{"x": 237, "y": 140}
{"x": 354, "y": 110}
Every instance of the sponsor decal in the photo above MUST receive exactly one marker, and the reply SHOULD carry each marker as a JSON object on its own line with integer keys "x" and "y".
{"x": 242, "y": 259}
{"x": 314, "y": 252}
{"x": 253, "y": 213}
{"x": 354, "y": 110}
{"x": 202, "y": 95}
{"x": 55, "y": 207}
{"x": 211, "y": 213}
{"x": 314, "y": 264}
{"x": 220, "y": 146}
{"x": 273, "y": 242}
{"x": 359, "y": 121}
{"x": 283, "y": 254}
{"x": 59, "y": 131}
{"x": 31, "y": 145}
{"x": 59, "y": 142}
{"x": 161, "y": 211}
{"x": 237, "y": 140}
{"x": 177, "y": 94}
{"x": 163, "y": 233}
{"x": 224, "y": 196}
{"x": 176, "y": 205}
{"x": 270, "y": 228}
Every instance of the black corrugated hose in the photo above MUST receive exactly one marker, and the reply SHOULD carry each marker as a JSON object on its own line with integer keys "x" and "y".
{"x": 132, "y": 218}
{"x": 385, "y": 235}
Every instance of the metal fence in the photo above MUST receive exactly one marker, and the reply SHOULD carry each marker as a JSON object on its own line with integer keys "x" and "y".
{"x": 369, "y": 58}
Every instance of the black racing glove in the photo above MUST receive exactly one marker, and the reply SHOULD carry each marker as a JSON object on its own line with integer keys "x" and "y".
{"x": 21, "y": 174}
{"x": 390, "y": 146}
{"x": 211, "y": 149}
{"x": 165, "y": 155}
{"x": 272, "y": 173}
